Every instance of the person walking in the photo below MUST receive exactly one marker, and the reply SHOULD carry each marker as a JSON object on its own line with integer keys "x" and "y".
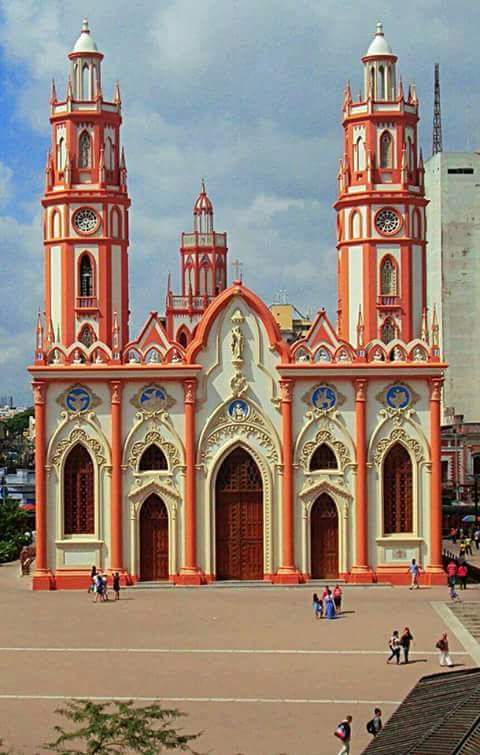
{"x": 461, "y": 553}
{"x": 443, "y": 648}
{"x": 337, "y": 598}
{"x": 406, "y": 639}
{"x": 374, "y": 726}
{"x": 344, "y": 733}
{"x": 93, "y": 573}
{"x": 452, "y": 572}
{"x": 98, "y": 588}
{"x": 468, "y": 546}
{"x": 414, "y": 570}
{"x": 462, "y": 573}
{"x": 395, "y": 647}
{"x": 116, "y": 585}
{"x": 105, "y": 586}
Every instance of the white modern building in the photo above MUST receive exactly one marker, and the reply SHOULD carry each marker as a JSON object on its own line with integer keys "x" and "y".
{"x": 452, "y": 186}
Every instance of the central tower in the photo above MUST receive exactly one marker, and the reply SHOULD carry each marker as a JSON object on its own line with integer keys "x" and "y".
{"x": 381, "y": 206}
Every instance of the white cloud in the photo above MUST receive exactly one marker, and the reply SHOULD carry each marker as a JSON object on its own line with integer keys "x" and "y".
{"x": 6, "y": 174}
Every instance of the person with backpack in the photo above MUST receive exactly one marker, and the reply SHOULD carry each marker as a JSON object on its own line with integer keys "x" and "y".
{"x": 344, "y": 733}
{"x": 395, "y": 647}
{"x": 374, "y": 726}
{"x": 443, "y": 648}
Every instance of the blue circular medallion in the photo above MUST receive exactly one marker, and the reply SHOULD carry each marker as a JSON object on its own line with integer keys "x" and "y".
{"x": 238, "y": 409}
{"x": 77, "y": 400}
{"x": 153, "y": 398}
{"x": 324, "y": 398}
{"x": 398, "y": 397}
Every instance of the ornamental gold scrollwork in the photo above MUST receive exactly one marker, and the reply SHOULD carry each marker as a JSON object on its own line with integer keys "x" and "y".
{"x": 244, "y": 429}
{"x": 78, "y": 436}
{"x": 324, "y": 436}
{"x": 154, "y": 437}
{"x": 398, "y": 434}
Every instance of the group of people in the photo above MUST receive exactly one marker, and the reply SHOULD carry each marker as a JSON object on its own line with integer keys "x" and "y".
{"x": 344, "y": 730}
{"x": 399, "y": 642}
{"x": 99, "y": 585}
{"x": 457, "y": 571}
{"x": 466, "y": 538}
{"x": 329, "y": 605}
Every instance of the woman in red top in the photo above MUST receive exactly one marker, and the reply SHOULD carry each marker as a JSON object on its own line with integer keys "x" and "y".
{"x": 462, "y": 573}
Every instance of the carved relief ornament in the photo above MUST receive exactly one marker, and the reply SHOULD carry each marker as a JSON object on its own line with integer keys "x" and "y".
{"x": 78, "y": 436}
{"x": 324, "y": 436}
{"x": 154, "y": 438}
{"x": 398, "y": 434}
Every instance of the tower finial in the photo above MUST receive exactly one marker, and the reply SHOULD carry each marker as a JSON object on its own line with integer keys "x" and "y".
{"x": 379, "y": 28}
{"x": 437, "y": 115}
{"x": 85, "y": 26}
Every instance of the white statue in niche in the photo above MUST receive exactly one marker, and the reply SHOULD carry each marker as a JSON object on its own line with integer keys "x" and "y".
{"x": 237, "y": 344}
{"x": 418, "y": 354}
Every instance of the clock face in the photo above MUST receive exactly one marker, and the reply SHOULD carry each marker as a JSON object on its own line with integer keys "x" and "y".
{"x": 86, "y": 220}
{"x": 388, "y": 221}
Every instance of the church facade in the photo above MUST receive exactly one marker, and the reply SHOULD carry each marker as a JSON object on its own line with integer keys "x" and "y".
{"x": 207, "y": 447}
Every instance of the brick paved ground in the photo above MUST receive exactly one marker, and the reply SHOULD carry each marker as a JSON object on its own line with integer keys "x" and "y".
{"x": 250, "y": 714}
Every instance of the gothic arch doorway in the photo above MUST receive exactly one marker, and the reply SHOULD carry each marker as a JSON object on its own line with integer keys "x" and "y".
{"x": 153, "y": 539}
{"x": 324, "y": 538}
{"x": 239, "y": 518}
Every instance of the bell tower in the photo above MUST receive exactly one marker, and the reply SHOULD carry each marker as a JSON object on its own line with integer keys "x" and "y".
{"x": 381, "y": 206}
{"x": 85, "y": 209}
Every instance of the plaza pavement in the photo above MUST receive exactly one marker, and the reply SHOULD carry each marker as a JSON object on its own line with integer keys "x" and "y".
{"x": 252, "y": 667}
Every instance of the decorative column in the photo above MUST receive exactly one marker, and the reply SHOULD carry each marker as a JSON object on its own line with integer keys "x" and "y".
{"x": 287, "y": 573}
{"x": 360, "y": 570}
{"x": 116, "y": 553}
{"x": 190, "y": 573}
{"x": 435, "y": 549}
{"x": 41, "y": 577}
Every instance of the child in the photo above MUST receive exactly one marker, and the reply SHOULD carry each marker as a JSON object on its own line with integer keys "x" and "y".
{"x": 317, "y": 606}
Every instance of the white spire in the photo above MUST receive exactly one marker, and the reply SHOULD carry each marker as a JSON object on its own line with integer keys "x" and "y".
{"x": 379, "y": 45}
{"x": 85, "y": 42}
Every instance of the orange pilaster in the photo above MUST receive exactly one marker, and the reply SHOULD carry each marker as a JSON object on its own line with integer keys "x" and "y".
{"x": 287, "y": 573}
{"x": 190, "y": 573}
{"x": 41, "y": 577}
{"x": 116, "y": 555}
{"x": 361, "y": 569}
{"x": 435, "y": 561}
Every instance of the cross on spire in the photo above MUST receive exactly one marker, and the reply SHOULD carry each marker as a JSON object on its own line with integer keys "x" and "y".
{"x": 237, "y": 270}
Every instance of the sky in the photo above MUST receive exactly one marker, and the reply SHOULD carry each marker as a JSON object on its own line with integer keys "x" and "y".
{"x": 246, "y": 94}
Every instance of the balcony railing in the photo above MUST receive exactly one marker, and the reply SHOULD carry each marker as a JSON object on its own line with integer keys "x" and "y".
{"x": 388, "y": 301}
{"x": 87, "y": 302}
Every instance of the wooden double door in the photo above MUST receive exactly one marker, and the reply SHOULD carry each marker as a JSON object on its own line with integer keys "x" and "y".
{"x": 153, "y": 540}
{"x": 239, "y": 518}
{"x": 324, "y": 538}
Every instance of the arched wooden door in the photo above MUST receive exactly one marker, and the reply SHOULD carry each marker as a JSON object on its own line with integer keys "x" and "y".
{"x": 324, "y": 538}
{"x": 153, "y": 539}
{"x": 239, "y": 518}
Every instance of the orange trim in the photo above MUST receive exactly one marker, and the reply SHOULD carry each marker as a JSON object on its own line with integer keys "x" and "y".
{"x": 435, "y": 564}
{"x": 219, "y": 303}
{"x": 67, "y": 295}
{"x": 116, "y": 557}
{"x": 39, "y": 391}
{"x": 406, "y": 293}
{"x": 370, "y": 292}
{"x": 190, "y": 573}
{"x": 287, "y": 572}
{"x": 361, "y": 502}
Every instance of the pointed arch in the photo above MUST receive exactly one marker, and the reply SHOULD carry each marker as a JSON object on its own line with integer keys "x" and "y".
{"x": 153, "y": 460}
{"x": 381, "y": 94}
{"x": 183, "y": 336}
{"x": 416, "y": 224}
{"x": 386, "y": 150}
{"x": 388, "y": 276}
{"x": 203, "y": 279}
{"x": 61, "y": 154}
{"x": 78, "y": 492}
{"x": 388, "y": 331}
{"x": 397, "y": 491}
{"x": 109, "y": 154}
{"x": 84, "y": 150}
{"x": 87, "y": 335}
{"x": 323, "y": 458}
{"x": 86, "y": 275}
{"x": 55, "y": 224}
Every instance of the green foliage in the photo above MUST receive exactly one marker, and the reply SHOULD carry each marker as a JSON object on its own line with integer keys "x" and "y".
{"x": 14, "y": 522}
{"x": 101, "y": 730}
{"x": 19, "y": 423}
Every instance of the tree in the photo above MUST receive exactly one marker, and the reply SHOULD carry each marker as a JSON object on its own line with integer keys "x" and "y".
{"x": 14, "y": 522}
{"x": 99, "y": 730}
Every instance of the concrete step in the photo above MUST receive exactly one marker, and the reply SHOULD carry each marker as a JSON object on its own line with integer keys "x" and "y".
{"x": 313, "y": 585}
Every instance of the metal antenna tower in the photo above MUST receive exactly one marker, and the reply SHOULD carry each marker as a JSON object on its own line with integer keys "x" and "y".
{"x": 437, "y": 116}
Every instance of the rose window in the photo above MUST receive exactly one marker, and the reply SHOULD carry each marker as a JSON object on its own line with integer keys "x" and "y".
{"x": 387, "y": 221}
{"x": 85, "y": 220}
